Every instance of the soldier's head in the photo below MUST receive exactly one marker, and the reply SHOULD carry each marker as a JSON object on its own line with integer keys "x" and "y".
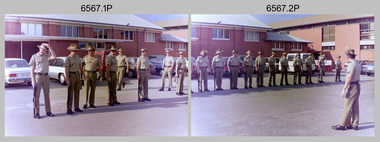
{"x": 234, "y": 52}
{"x": 167, "y": 52}
{"x": 120, "y": 50}
{"x": 273, "y": 53}
{"x": 73, "y": 48}
{"x": 143, "y": 51}
{"x": 350, "y": 54}
{"x": 42, "y": 48}
{"x": 298, "y": 55}
{"x": 284, "y": 54}
{"x": 113, "y": 50}
{"x": 90, "y": 50}
{"x": 180, "y": 53}
{"x": 203, "y": 53}
{"x": 338, "y": 57}
{"x": 249, "y": 52}
{"x": 310, "y": 55}
{"x": 218, "y": 52}
{"x": 260, "y": 53}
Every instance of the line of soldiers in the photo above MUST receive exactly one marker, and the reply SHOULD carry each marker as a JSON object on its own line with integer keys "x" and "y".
{"x": 233, "y": 66}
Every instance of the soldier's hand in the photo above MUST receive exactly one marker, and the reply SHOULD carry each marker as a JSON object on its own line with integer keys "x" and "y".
{"x": 198, "y": 71}
{"x": 109, "y": 79}
{"x": 101, "y": 78}
{"x": 150, "y": 74}
{"x": 229, "y": 70}
{"x": 33, "y": 84}
{"x": 84, "y": 77}
{"x": 68, "y": 82}
{"x": 126, "y": 71}
{"x": 138, "y": 77}
{"x": 342, "y": 94}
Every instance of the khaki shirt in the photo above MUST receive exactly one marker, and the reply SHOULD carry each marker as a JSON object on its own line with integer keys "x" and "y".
{"x": 338, "y": 64}
{"x": 284, "y": 62}
{"x": 142, "y": 62}
{"x": 260, "y": 61}
{"x": 181, "y": 62}
{"x": 248, "y": 60}
{"x": 202, "y": 61}
{"x": 41, "y": 63}
{"x": 297, "y": 62}
{"x": 218, "y": 62}
{"x": 353, "y": 68}
{"x": 167, "y": 61}
{"x": 309, "y": 61}
{"x": 321, "y": 61}
{"x": 234, "y": 61}
{"x": 121, "y": 60}
{"x": 73, "y": 63}
{"x": 91, "y": 63}
{"x": 271, "y": 61}
{"x": 112, "y": 62}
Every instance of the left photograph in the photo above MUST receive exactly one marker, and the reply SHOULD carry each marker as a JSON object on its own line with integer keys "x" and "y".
{"x": 96, "y": 75}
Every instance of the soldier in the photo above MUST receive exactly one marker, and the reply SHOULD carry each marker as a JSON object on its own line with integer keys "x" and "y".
{"x": 351, "y": 92}
{"x": 39, "y": 63}
{"x": 272, "y": 69}
{"x": 321, "y": 66}
{"x": 233, "y": 65}
{"x": 181, "y": 72}
{"x": 121, "y": 60}
{"x": 218, "y": 68}
{"x": 309, "y": 71}
{"x": 248, "y": 65}
{"x": 73, "y": 68}
{"x": 338, "y": 66}
{"x": 298, "y": 68}
{"x": 167, "y": 66}
{"x": 143, "y": 74}
{"x": 284, "y": 69}
{"x": 203, "y": 69}
{"x": 260, "y": 68}
{"x": 92, "y": 64}
{"x": 111, "y": 70}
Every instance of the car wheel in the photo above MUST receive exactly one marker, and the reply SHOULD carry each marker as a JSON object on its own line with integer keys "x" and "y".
{"x": 130, "y": 74}
{"x": 62, "y": 79}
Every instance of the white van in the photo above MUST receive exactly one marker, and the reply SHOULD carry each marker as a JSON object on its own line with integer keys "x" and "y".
{"x": 292, "y": 56}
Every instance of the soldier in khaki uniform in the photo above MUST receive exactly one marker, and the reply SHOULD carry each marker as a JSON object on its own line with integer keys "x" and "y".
{"x": 272, "y": 69}
{"x": 121, "y": 61}
{"x": 260, "y": 69}
{"x": 181, "y": 72}
{"x": 248, "y": 65}
{"x": 309, "y": 71}
{"x": 143, "y": 74}
{"x": 233, "y": 65}
{"x": 217, "y": 65}
{"x": 321, "y": 65}
{"x": 92, "y": 64}
{"x": 167, "y": 66}
{"x": 73, "y": 68}
{"x": 284, "y": 69}
{"x": 203, "y": 69}
{"x": 111, "y": 64}
{"x": 298, "y": 68}
{"x": 39, "y": 63}
{"x": 338, "y": 68}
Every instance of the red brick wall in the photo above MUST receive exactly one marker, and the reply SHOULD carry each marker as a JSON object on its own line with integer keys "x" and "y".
{"x": 12, "y": 28}
{"x": 13, "y": 49}
{"x": 51, "y": 30}
{"x": 314, "y": 35}
{"x": 346, "y": 36}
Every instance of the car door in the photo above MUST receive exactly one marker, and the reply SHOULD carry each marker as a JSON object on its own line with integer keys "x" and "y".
{"x": 290, "y": 62}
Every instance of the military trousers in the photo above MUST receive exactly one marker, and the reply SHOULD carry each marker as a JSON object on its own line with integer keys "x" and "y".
{"x": 218, "y": 77}
{"x": 89, "y": 86}
{"x": 248, "y": 76}
{"x": 351, "y": 105}
{"x": 73, "y": 90}
{"x": 272, "y": 75}
{"x": 143, "y": 84}
{"x": 260, "y": 75}
{"x": 297, "y": 74}
{"x": 321, "y": 73}
{"x": 43, "y": 81}
{"x": 120, "y": 76}
{"x": 284, "y": 73}
{"x": 202, "y": 77}
{"x": 234, "y": 74}
{"x": 181, "y": 78}
{"x": 337, "y": 74}
{"x": 166, "y": 73}
{"x": 309, "y": 73}
{"x": 111, "y": 88}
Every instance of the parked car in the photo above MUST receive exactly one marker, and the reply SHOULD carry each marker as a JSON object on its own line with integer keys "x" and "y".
{"x": 276, "y": 64}
{"x": 303, "y": 56}
{"x": 157, "y": 62}
{"x": 194, "y": 68}
{"x": 361, "y": 62}
{"x": 369, "y": 68}
{"x": 132, "y": 67}
{"x": 155, "y": 56}
{"x": 16, "y": 71}
{"x": 57, "y": 69}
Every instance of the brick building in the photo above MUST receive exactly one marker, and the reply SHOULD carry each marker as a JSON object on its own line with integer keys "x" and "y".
{"x": 24, "y": 32}
{"x": 241, "y": 32}
{"x": 333, "y": 34}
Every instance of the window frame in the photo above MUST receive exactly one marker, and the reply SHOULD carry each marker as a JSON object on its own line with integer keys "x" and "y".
{"x": 279, "y": 43}
{"x": 72, "y": 31}
{"x": 296, "y": 46}
{"x": 171, "y": 45}
{"x": 129, "y": 33}
{"x": 182, "y": 46}
{"x": 254, "y": 37}
{"x": 151, "y": 39}
{"x": 35, "y": 29}
{"x": 223, "y": 34}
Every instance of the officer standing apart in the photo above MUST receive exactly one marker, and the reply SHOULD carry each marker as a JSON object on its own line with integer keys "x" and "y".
{"x": 233, "y": 64}
{"x": 39, "y": 63}
{"x": 321, "y": 66}
{"x": 309, "y": 70}
{"x": 298, "y": 68}
{"x": 272, "y": 69}
{"x": 203, "y": 69}
{"x": 111, "y": 63}
{"x": 143, "y": 74}
{"x": 167, "y": 66}
{"x": 92, "y": 64}
{"x": 248, "y": 65}
{"x": 351, "y": 92}
{"x": 73, "y": 68}
{"x": 338, "y": 68}
{"x": 284, "y": 69}
{"x": 217, "y": 65}
{"x": 121, "y": 61}
{"x": 180, "y": 70}
{"x": 260, "y": 68}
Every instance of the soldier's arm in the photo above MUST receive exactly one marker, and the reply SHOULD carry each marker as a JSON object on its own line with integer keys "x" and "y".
{"x": 126, "y": 61}
{"x": 53, "y": 55}
{"x": 32, "y": 75}
{"x": 67, "y": 75}
{"x": 171, "y": 68}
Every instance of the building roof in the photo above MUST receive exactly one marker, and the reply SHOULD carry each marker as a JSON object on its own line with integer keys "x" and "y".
{"x": 173, "y": 23}
{"x": 243, "y": 20}
{"x": 112, "y": 19}
{"x": 171, "y": 38}
{"x": 317, "y": 19}
{"x": 284, "y": 37}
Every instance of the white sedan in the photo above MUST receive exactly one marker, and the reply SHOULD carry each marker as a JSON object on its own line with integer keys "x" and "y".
{"x": 57, "y": 69}
{"x": 17, "y": 71}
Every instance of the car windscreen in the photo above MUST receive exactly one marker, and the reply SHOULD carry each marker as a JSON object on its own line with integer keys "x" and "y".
{"x": 16, "y": 64}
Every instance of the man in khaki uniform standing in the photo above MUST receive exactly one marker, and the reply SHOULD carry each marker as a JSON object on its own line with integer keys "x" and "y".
{"x": 39, "y": 63}
{"x": 203, "y": 69}
{"x": 272, "y": 69}
{"x": 217, "y": 65}
{"x": 111, "y": 64}
{"x": 338, "y": 68}
{"x": 284, "y": 69}
{"x": 167, "y": 66}
{"x": 351, "y": 92}
{"x": 309, "y": 71}
{"x": 260, "y": 69}
{"x": 181, "y": 71}
{"x": 73, "y": 69}
{"x": 248, "y": 65}
{"x": 233, "y": 64}
{"x": 121, "y": 61}
{"x": 92, "y": 64}
{"x": 143, "y": 74}
{"x": 321, "y": 65}
{"x": 298, "y": 68}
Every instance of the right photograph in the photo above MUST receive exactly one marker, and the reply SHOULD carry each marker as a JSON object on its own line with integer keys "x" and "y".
{"x": 282, "y": 74}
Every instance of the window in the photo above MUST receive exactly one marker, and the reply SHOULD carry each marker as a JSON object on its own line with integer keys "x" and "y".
{"x": 278, "y": 46}
{"x": 290, "y": 57}
{"x": 328, "y": 33}
{"x": 297, "y": 46}
{"x": 367, "y": 47}
{"x": 31, "y": 29}
{"x": 169, "y": 45}
{"x": 94, "y": 44}
{"x": 193, "y": 32}
{"x": 182, "y": 47}
{"x": 127, "y": 35}
{"x": 101, "y": 33}
{"x": 328, "y": 48}
{"x": 367, "y": 30}
{"x": 150, "y": 37}
{"x": 69, "y": 31}
{"x": 251, "y": 36}
{"x": 223, "y": 34}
